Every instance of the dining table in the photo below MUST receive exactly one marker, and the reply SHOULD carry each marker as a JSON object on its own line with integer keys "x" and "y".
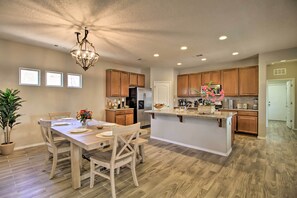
{"x": 87, "y": 138}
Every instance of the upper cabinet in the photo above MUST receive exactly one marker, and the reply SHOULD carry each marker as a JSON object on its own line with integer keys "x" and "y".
{"x": 212, "y": 76}
{"x": 248, "y": 81}
{"x": 117, "y": 83}
{"x": 194, "y": 84}
{"x": 182, "y": 85}
{"x": 229, "y": 81}
{"x": 137, "y": 80}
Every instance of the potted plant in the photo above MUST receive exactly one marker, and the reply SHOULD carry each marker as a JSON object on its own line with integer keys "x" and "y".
{"x": 10, "y": 103}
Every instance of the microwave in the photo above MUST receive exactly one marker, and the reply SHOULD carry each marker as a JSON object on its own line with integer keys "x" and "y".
{"x": 215, "y": 88}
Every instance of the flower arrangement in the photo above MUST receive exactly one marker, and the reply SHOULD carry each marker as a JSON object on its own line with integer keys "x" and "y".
{"x": 209, "y": 95}
{"x": 83, "y": 115}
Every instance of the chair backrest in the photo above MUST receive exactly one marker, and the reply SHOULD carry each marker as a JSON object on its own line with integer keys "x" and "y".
{"x": 123, "y": 136}
{"x": 45, "y": 126}
{"x": 58, "y": 115}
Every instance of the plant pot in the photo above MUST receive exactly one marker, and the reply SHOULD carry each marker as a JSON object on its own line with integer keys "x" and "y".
{"x": 7, "y": 149}
{"x": 206, "y": 109}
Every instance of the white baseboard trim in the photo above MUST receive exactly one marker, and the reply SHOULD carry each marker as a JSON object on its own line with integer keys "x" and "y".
{"x": 28, "y": 146}
{"x": 261, "y": 138}
{"x": 193, "y": 147}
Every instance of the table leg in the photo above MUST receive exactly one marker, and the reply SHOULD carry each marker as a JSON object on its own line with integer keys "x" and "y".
{"x": 75, "y": 165}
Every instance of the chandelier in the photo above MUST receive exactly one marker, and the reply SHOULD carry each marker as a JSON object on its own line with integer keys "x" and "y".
{"x": 84, "y": 52}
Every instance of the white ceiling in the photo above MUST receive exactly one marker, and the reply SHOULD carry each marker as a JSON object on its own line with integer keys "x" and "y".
{"x": 125, "y": 30}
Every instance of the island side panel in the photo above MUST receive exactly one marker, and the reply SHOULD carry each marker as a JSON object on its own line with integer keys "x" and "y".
{"x": 193, "y": 132}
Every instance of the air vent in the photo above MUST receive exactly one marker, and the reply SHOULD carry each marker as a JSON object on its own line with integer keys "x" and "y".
{"x": 279, "y": 71}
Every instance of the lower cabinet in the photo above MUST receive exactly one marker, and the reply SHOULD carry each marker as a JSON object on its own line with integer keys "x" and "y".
{"x": 120, "y": 116}
{"x": 247, "y": 122}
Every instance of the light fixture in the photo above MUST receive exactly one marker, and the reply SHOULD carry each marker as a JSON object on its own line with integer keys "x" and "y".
{"x": 183, "y": 47}
{"x": 235, "y": 53}
{"x": 282, "y": 61}
{"x": 203, "y": 59}
{"x": 179, "y": 63}
{"x": 156, "y": 55}
{"x": 223, "y": 37}
{"x": 84, "y": 52}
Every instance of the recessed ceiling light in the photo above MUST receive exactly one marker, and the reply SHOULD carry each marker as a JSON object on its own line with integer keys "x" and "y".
{"x": 223, "y": 37}
{"x": 203, "y": 59}
{"x": 283, "y": 61}
{"x": 156, "y": 55}
{"x": 179, "y": 63}
{"x": 183, "y": 47}
{"x": 139, "y": 59}
{"x": 235, "y": 53}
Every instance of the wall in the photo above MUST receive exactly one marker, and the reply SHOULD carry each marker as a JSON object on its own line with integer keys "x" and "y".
{"x": 42, "y": 100}
{"x": 291, "y": 68}
{"x": 264, "y": 60}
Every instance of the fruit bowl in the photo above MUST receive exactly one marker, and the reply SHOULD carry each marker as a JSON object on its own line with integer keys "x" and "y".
{"x": 159, "y": 106}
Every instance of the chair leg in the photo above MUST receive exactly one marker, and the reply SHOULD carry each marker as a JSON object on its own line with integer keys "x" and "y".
{"x": 54, "y": 165}
{"x": 118, "y": 170}
{"x": 133, "y": 170}
{"x": 92, "y": 175}
{"x": 112, "y": 184}
{"x": 141, "y": 151}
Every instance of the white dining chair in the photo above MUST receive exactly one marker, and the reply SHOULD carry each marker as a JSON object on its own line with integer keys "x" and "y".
{"x": 122, "y": 153}
{"x": 55, "y": 148}
{"x": 58, "y": 115}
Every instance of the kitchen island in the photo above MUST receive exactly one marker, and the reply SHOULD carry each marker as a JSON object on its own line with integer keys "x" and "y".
{"x": 205, "y": 132}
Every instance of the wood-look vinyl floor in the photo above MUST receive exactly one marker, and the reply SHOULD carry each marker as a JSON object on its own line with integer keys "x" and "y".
{"x": 255, "y": 168}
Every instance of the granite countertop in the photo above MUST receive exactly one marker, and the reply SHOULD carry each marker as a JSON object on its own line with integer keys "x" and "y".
{"x": 189, "y": 113}
{"x": 227, "y": 109}
{"x": 118, "y": 109}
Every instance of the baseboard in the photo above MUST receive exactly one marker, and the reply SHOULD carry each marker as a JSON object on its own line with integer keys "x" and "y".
{"x": 29, "y": 146}
{"x": 261, "y": 138}
{"x": 194, "y": 147}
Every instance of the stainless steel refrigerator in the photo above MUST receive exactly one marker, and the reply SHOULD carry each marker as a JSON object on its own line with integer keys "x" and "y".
{"x": 141, "y": 100}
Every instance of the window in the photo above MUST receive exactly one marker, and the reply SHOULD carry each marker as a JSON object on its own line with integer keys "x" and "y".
{"x": 54, "y": 79}
{"x": 29, "y": 76}
{"x": 74, "y": 80}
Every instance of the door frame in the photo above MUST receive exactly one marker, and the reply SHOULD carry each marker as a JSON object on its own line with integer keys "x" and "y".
{"x": 293, "y": 97}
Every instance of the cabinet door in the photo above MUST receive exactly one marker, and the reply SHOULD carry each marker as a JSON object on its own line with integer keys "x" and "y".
{"x": 124, "y": 84}
{"x": 182, "y": 85}
{"x": 129, "y": 119}
{"x": 229, "y": 82}
{"x": 205, "y": 78}
{"x": 120, "y": 119}
{"x": 194, "y": 84}
{"x": 248, "y": 124}
{"x": 140, "y": 80}
{"x": 110, "y": 116}
{"x": 215, "y": 77}
{"x": 248, "y": 81}
{"x": 132, "y": 79}
{"x": 113, "y": 83}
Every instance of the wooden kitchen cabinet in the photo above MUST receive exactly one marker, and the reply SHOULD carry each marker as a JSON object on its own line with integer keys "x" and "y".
{"x": 194, "y": 84}
{"x": 247, "y": 122}
{"x": 248, "y": 81}
{"x": 136, "y": 80}
{"x": 120, "y": 116}
{"x": 182, "y": 85}
{"x": 212, "y": 76}
{"x": 140, "y": 80}
{"x": 117, "y": 83}
{"x": 229, "y": 81}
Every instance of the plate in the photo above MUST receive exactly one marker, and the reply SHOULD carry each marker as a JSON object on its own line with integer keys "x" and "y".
{"x": 108, "y": 124}
{"x": 106, "y": 133}
{"x": 67, "y": 118}
{"x": 78, "y": 130}
{"x": 61, "y": 123}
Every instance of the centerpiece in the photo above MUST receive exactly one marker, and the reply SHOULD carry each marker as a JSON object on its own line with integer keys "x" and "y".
{"x": 210, "y": 95}
{"x": 84, "y": 115}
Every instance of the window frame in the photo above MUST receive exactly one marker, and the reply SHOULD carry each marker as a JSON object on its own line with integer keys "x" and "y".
{"x": 80, "y": 83}
{"x": 55, "y": 72}
{"x": 29, "y": 69}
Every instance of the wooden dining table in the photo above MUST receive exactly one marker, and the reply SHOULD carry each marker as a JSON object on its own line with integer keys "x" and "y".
{"x": 88, "y": 140}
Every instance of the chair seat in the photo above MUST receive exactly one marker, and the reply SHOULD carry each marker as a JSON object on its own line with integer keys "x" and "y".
{"x": 139, "y": 141}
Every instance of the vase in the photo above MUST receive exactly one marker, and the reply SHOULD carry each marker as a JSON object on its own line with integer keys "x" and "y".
{"x": 84, "y": 123}
{"x": 203, "y": 109}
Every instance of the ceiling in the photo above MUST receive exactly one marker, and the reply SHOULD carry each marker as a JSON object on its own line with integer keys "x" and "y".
{"x": 124, "y": 31}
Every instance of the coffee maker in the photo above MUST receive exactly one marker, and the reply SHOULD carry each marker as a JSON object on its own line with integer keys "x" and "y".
{"x": 182, "y": 102}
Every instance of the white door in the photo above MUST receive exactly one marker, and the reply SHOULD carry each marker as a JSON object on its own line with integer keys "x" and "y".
{"x": 277, "y": 95}
{"x": 289, "y": 104}
{"x": 161, "y": 93}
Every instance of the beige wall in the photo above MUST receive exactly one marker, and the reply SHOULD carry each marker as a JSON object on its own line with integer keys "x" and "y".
{"x": 41, "y": 100}
{"x": 291, "y": 68}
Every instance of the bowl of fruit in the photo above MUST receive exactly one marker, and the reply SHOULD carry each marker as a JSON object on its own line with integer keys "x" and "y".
{"x": 159, "y": 106}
